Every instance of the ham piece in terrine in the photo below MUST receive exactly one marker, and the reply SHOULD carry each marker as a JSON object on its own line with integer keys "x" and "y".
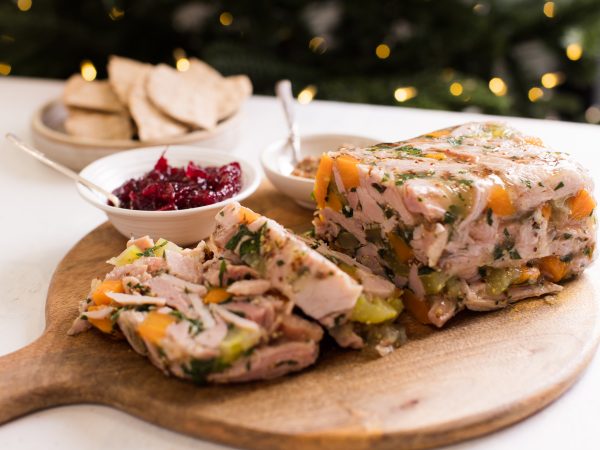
{"x": 476, "y": 216}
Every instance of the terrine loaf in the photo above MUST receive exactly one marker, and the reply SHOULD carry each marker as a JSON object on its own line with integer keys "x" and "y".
{"x": 475, "y": 216}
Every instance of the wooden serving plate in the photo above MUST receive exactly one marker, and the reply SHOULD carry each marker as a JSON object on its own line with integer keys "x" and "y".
{"x": 480, "y": 373}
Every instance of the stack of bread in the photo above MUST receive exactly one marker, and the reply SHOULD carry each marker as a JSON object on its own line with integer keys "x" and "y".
{"x": 151, "y": 103}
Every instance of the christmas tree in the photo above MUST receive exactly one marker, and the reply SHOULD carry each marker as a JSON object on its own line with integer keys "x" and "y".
{"x": 513, "y": 57}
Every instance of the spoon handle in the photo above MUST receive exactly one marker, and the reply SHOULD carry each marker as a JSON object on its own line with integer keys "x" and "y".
{"x": 60, "y": 168}
{"x": 283, "y": 89}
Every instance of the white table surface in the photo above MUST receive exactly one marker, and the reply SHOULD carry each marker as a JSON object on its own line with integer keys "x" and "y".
{"x": 42, "y": 217}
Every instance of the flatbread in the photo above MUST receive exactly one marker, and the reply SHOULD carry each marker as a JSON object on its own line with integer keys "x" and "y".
{"x": 122, "y": 75}
{"x": 199, "y": 70}
{"x": 183, "y": 97}
{"x": 84, "y": 123}
{"x": 232, "y": 93}
{"x": 92, "y": 95}
{"x": 152, "y": 124}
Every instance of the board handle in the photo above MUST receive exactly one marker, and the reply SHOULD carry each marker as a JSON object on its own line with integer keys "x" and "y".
{"x": 32, "y": 378}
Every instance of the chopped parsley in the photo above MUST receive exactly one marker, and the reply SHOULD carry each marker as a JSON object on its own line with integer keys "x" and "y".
{"x": 152, "y": 250}
{"x": 380, "y": 188}
{"x": 249, "y": 243}
{"x": 559, "y": 185}
{"x": 222, "y": 270}
{"x": 514, "y": 254}
{"x": 455, "y": 141}
{"x": 451, "y": 215}
{"x": 488, "y": 216}
{"x": 409, "y": 149}
{"x": 567, "y": 258}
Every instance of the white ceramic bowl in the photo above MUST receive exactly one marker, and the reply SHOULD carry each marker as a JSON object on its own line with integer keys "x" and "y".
{"x": 183, "y": 227}
{"x": 277, "y": 162}
{"x": 76, "y": 152}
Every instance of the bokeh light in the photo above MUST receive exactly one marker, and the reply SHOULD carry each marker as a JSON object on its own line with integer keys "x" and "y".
{"x": 382, "y": 51}
{"x": 456, "y": 88}
{"x": 307, "y": 94}
{"x": 88, "y": 70}
{"x": 226, "y": 18}
{"x": 534, "y": 94}
{"x": 405, "y": 93}
{"x": 574, "y": 51}
{"x": 498, "y": 86}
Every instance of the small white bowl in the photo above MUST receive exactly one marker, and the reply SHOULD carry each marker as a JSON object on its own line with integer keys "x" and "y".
{"x": 278, "y": 165}
{"x": 76, "y": 152}
{"x": 184, "y": 227}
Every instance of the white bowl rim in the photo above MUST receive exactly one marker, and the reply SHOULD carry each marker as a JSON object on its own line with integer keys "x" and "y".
{"x": 254, "y": 182}
{"x": 111, "y": 145}
{"x": 270, "y": 149}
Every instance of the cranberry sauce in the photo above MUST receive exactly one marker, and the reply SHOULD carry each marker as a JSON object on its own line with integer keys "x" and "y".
{"x": 167, "y": 188}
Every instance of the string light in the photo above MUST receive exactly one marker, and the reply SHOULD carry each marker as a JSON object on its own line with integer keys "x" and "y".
{"x": 552, "y": 79}
{"x": 382, "y": 51}
{"x": 24, "y": 5}
{"x": 88, "y": 71}
{"x": 5, "y": 69}
{"x": 456, "y": 88}
{"x": 307, "y": 94}
{"x": 592, "y": 114}
{"x": 226, "y": 18}
{"x": 182, "y": 64}
{"x": 534, "y": 94}
{"x": 116, "y": 13}
{"x": 498, "y": 86}
{"x": 549, "y": 9}
{"x": 405, "y": 93}
{"x": 574, "y": 51}
{"x": 318, "y": 45}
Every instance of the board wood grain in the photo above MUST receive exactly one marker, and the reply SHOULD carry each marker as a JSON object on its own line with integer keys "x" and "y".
{"x": 482, "y": 372}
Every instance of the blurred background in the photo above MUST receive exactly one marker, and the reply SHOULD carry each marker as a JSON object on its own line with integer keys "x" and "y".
{"x": 532, "y": 58}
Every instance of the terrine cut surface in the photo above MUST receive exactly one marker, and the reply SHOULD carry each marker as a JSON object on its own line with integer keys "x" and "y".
{"x": 476, "y": 216}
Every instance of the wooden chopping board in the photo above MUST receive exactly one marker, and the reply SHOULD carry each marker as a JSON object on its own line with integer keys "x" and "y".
{"x": 480, "y": 373}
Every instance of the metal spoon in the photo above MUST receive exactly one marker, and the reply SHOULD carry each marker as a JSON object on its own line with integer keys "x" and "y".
{"x": 60, "y": 168}
{"x": 283, "y": 89}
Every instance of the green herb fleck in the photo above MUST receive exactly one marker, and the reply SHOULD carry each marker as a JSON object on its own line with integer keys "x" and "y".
{"x": 380, "y": 188}
{"x": 152, "y": 250}
{"x": 451, "y": 215}
{"x": 222, "y": 270}
{"x": 514, "y": 254}
{"x": 559, "y": 185}
{"x": 567, "y": 258}
{"x": 488, "y": 216}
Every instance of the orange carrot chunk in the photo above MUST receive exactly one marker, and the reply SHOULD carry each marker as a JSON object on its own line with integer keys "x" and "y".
{"x": 401, "y": 249}
{"x": 348, "y": 168}
{"x": 418, "y": 307}
{"x": 247, "y": 216}
{"x": 499, "y": 201}
{"x": 105, "y": 325}
{"x": 154, "y": 327}
{"x": 322, "y": 180}
{"x": 547, "y": 211}
{"x": 553, "y": 268}
{"x": 99, "y": 296}
{"x": 581, "y": 205}
{"x": 217, "y": 295}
